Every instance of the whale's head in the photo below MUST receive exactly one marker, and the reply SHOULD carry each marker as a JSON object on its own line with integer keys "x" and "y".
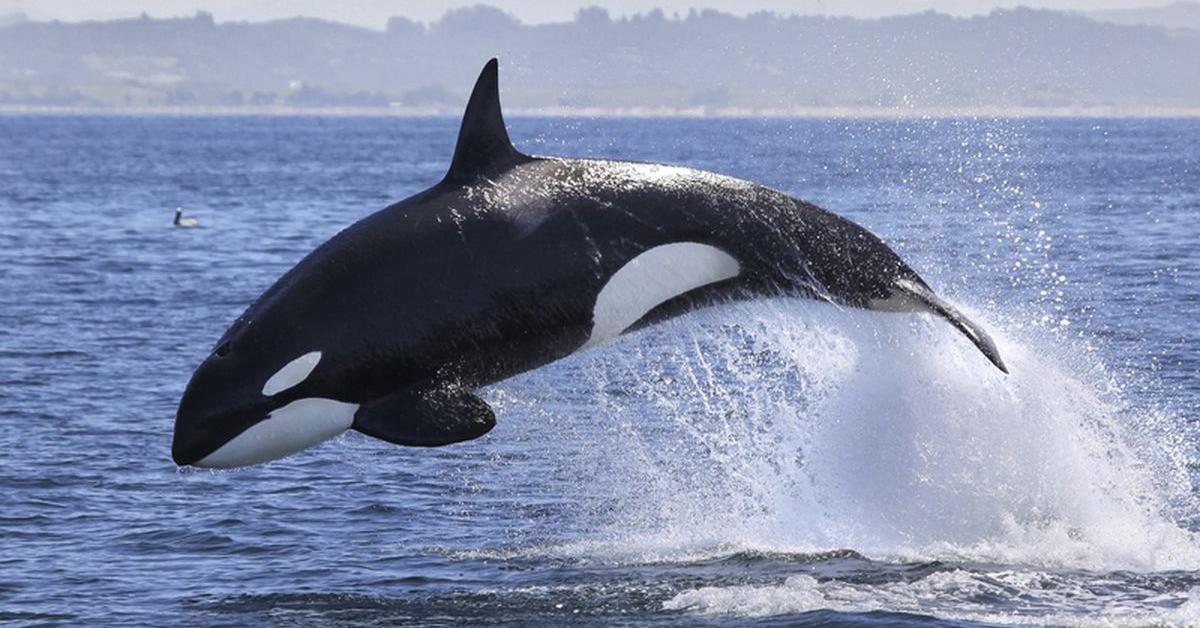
{"x": 256, "y": 399}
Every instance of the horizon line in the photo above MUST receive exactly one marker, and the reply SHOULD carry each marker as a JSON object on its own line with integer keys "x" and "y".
{"x": 654, "y": 13}
{"x": 834, "y": 112}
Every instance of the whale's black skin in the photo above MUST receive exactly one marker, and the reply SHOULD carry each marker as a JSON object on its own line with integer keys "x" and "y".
{"x": 496, "y": 270}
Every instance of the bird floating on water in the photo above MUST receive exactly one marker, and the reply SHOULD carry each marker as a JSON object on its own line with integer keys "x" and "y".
{"x": 180, "y": 221}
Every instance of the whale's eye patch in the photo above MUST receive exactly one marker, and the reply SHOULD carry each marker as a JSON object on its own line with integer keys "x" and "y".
{"x": 223, "y": 349}
{"x": 292, "y": 373}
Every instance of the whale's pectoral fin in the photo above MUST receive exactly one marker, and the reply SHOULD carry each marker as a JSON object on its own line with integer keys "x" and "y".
{"x": 426, "y": 417}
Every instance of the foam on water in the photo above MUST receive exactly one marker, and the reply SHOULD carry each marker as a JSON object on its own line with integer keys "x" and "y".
{"x": 1046, "y": 598}
{"x": 792, "y": 426}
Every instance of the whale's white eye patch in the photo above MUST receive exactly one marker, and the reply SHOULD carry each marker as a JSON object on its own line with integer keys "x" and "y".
{"x": 653, "y": 278}
{"x": 292, "y": 373}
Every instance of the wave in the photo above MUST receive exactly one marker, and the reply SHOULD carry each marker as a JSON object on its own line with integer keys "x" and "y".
{"x": 1002, "y": 597}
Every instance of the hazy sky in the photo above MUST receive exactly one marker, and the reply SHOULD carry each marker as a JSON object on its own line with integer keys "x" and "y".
{"x": 374, "y": 13}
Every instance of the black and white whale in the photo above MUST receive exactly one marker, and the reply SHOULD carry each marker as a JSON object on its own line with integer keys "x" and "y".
{"x": 509, "y": 263}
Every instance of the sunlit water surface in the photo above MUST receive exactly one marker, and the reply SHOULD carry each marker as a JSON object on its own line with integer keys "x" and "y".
{"x": 778, "y": 461}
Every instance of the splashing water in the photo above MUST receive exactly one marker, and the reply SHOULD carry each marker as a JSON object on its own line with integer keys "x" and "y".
{"x": 792, "y": 427}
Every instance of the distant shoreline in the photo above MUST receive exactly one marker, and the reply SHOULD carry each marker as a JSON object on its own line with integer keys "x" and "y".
{"x": 632, "y": 112}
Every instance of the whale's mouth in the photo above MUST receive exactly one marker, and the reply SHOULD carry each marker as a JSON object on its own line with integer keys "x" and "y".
{"x": 196, "y": 437}
{"x": 295, "y": 427}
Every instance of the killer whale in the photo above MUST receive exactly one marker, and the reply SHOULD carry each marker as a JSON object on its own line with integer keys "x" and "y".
{"x": 509, "y": 263}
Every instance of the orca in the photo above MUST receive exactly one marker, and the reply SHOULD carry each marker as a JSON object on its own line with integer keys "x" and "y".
{"x": 509, "y": 263}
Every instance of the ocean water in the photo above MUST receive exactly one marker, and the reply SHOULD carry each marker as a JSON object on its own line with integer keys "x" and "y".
{"x": 778, "y": 462}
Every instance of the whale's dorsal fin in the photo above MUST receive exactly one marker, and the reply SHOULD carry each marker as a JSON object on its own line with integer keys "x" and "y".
{"x": 483, "y": 145}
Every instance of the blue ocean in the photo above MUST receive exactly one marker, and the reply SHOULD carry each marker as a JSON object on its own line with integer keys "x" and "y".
{"x": 780, "y": 462}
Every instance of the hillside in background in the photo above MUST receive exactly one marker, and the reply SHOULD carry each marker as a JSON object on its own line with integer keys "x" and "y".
{"x": 1177, "y": 15}
{"x": 702, "y": 62}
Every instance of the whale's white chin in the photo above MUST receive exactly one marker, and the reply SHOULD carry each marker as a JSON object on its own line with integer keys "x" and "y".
{"x": 292, "y": 428}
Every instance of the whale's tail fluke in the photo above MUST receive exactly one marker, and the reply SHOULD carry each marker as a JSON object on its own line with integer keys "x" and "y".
{"x": 937, "y": 305}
